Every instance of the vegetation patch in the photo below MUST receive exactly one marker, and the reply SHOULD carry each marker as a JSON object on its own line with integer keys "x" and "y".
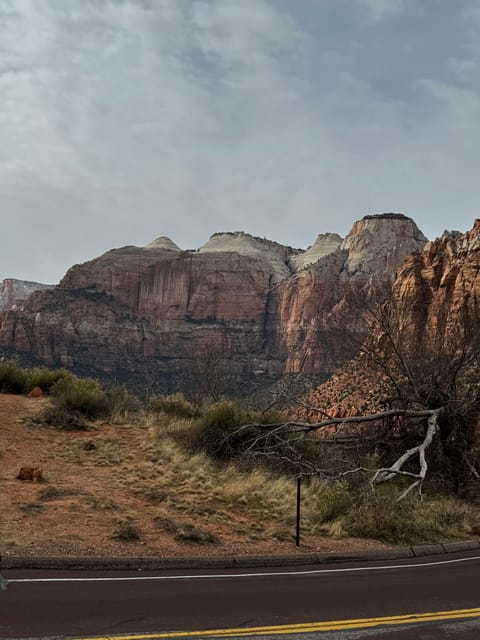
{"x": 127, "y": 531}
{"x": 186, "y": 531}
{"x": 56, "y": 493}
{"x": 175, "y": 405}
{"x": 82, "y": 396}
{"x": 32, "y": 508}
{"x": 16, "y": 379}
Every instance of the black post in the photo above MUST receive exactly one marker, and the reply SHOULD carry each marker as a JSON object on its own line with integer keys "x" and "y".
{"x": 297, "y": 540}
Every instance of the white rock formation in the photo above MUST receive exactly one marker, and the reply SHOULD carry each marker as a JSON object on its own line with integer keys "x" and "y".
{"x": 325, "y": 244}
{"x": 274, "y": 254}
{"x": 381, "y": 241}
{"x": 163, "y": 243}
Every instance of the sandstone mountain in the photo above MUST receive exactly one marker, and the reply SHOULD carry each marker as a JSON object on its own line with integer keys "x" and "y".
{"x": 158, "y": 317}
{"x": 13, "y": 293}
{"x": 436, "y": 291}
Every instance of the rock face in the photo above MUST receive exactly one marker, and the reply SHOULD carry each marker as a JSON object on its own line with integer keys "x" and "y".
{"x": 274, "y": 256}
{"x": 156, "y": 315}
{"x": 440, "y": 285}
{"x": 13, "y": 293}
{"x": 435, "y": 290}
{"x": 325, "y": 244}
{"x": 313, "y": 308}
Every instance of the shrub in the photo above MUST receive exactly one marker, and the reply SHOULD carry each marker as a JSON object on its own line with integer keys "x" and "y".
{"x": 32, "y": 508}
{"x": 126, "y": 531}
{"x": 173, "y": 405}
{"x": 224, "y": 428}
{"x": 62, "y": 418}
{"x": 12, "y": 377}
{"x": 328, "y": 502}
{"x": 191, "y": 533}
{"x": 218, "y": 430}
{"x": 15, "y": 379}
{"x": 186, "y": 531}
{"x": 411, "y": 520}
{"x": 121, "y": 403}
{"x": 43, "y": 378}
{"x": 56, "y": 493}
{"x": 81, "y": 395}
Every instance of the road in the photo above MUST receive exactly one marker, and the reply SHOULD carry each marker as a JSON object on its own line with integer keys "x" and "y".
{"x": 77, "y": 604}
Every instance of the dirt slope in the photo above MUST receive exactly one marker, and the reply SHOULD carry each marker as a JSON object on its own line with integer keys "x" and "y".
{"x": 87, "y": 497}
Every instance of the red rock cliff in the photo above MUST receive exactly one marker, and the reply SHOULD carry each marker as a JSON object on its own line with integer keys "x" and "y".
{"x": 150, "y": 314}
{"x": 435, "y": 290}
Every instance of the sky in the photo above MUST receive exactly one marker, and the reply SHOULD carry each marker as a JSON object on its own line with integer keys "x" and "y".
{"x": 125, "y": 120}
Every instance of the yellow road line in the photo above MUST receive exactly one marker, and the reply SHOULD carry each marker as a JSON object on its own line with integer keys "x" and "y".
{"x": 333, "y": 625}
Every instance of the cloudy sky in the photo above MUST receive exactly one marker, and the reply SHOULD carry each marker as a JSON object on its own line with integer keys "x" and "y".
{"x": 124, "y": 120}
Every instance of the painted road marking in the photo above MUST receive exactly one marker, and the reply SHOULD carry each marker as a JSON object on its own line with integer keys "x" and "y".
{"x": 333, "y": 625}
{"x": 312, "y": 572}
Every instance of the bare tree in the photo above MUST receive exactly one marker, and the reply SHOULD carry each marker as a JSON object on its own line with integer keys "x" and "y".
{"x": 429, "y": 376}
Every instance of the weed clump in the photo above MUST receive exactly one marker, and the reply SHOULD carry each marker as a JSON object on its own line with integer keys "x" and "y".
{"x": 186, "y": 531}
{"x": 60, "y": 417}
{"x": 32, "y": 508}
{"x": 127, "y": 531}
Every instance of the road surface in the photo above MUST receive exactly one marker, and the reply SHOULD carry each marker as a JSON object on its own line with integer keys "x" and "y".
{"x": 348, "y": 601}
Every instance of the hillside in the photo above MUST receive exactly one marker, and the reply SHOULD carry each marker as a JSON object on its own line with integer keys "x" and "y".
{"x": 138, "y": 482}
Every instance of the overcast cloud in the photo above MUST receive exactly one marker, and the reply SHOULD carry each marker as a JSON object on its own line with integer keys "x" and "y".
{"x": 124, "y": 120}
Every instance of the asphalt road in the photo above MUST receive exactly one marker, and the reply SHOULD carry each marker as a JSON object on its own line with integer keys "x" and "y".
{"x": 52, "y": 604}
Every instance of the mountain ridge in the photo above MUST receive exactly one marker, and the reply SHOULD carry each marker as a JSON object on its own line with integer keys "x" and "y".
{"x": 157, "y": 315}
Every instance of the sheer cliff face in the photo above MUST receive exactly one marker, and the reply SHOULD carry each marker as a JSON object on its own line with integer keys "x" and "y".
{"x": 440, "y": 286}
{"x": 151, "y": 314}
{"x": 313, "y": 308}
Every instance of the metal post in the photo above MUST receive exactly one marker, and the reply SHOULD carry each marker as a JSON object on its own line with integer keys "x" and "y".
{"x": 297, "y": 539}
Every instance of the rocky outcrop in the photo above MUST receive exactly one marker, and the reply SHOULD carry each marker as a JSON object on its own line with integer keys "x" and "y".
{"x": 13, "y": 293}
{"x": 163, "y": 243}
{"x": 435, "y": 295}
{"x": 325, "y": 244}
{"x": 312, "y": 310}
{"x": 246, "y": 307}
{"x": 275, "y": 256}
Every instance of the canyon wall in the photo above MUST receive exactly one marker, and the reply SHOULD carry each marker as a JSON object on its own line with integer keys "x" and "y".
{"x": 435, "y": 297}
{"x": 155, "y": 316}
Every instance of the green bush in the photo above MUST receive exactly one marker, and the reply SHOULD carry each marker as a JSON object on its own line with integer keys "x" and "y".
{"x": 16, "y": 379}
{"x": 225, "y": 430}
{"x": 218, "y": 430}
{"x": 43, "y": 378}
{"x": 81, "y": 395}
{"x": 173, "y": 405}
{"x": 12, "y": 377}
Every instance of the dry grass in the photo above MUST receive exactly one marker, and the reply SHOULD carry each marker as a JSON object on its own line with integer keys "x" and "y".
{"x": 139, "y": 492}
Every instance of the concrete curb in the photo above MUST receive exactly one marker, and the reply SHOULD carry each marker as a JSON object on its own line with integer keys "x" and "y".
{"x": 305, "y": 559}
